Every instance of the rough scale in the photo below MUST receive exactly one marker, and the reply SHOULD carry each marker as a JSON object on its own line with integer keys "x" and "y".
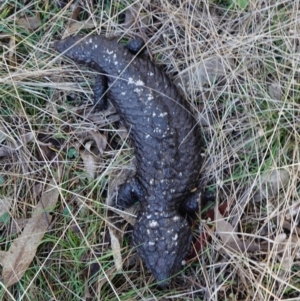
{"x": 167, "y": 143}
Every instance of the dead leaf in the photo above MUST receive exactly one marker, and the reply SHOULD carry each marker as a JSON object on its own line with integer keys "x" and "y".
{"x": 130, "y": 17}
{"x": 3, "y": 134}
{"x": 89, "y": 159}
{"x": 75, "y": 26}
{"x": 115, "y": 246}
{"x": 76, "y": 10}
{"x": 230, "y": 238}
{"x": 5, "y": 205}
{"x": 17, "y": 225}
{"x": 13, "y": 145}
{"x": 270, "y": 184}
{"x": 116, "y": 235}
{"x": 195, "y": 77}
{"x": 101, "y": 120}
{"x": 137, "y": 8}
{"x": 91, "y": 154}
{"x": 2, "y": 256}
{"x": 92, "y": 272}
{"x": 37, "y": 189}
{"x": 27, "y": 137}
{"x": 122, "y": 131}
{"x": 87, "y": 294}
{"x": 23, "y": 249}
{"x": 284, "y": 248}
{"x": 100, "y": 140}
{"x": 109, "y": 274}
{"x": 243, "y": 246}
{"x": 12, "y": 52}
{"x": 275, "y": 90}
{"x": 224, "y": 229}
{"x": 128, "y": 214}
{"x": 5, "y": 151}
{"x": 29, "y": 23}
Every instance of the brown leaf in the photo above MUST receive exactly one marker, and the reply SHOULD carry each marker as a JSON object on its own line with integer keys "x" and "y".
{"x": 101, "y": 121}
{"x": 5, "y": 151}
{"x": 17, "y": 225}
{"x": 293, "y": 210}
{"x": 109, "y": 274}
{"x": 91, "y": 154}
{"x": 130, "y": 17}
{"x": 12, "y": 52}
{"x": 89, "y": 159}
{"x": 128, "y": 214}
{"x": 29, "y": 23}
{"x": 2, "y": 256}
{"x": 102, "y": 278}
{"x": 13, "y": 144}
{"x": 229, "y": 236}
{"x": 197, "y": 76}
{"x": 224, "y": 228}
{"x": 100, "y": 140}
{"x": 37, "y": 190}
{"x": 116, "y": 235}
{"x": 75, "y": 26}
{"x": 23, "y": 249}
{"x": 270, "y": 184}
{"x": 122, "y": 131}
{"x": 284, "y": 250}
{"x": 244, "y": 246}
{"x": 5, "y": 205}
{"x": 115, "y": 238}
{"x": 275, "y": 90}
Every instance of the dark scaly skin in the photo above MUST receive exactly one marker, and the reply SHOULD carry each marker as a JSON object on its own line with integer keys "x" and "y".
{"x": 167, "y": 144}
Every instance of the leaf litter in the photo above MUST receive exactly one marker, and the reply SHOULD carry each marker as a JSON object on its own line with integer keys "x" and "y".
{"x": 17, "y": 259}
{"x": 238, "y": 106}
{"x": 116, "y": 229}
{"x": 93, "y": 146}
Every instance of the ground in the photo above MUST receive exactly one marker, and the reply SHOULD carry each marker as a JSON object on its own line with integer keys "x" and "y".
{"x": 237, "y": 63}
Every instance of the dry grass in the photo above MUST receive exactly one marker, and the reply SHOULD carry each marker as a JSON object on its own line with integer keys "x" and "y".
{"x": 239, "y": 68}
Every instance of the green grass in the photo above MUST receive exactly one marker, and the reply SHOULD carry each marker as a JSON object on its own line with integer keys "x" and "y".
{"x": 249, "y": 114}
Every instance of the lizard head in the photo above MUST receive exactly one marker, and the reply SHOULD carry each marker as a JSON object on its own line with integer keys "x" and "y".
{"x": 162, "y": 242}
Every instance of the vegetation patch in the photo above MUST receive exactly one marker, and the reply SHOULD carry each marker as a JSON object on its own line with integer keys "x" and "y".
{"x": 61, "y": 159}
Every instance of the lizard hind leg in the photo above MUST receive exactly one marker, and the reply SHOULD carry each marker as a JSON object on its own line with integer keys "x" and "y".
{"x": 192, "y": 203}
{"x": 129, "y": 193}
